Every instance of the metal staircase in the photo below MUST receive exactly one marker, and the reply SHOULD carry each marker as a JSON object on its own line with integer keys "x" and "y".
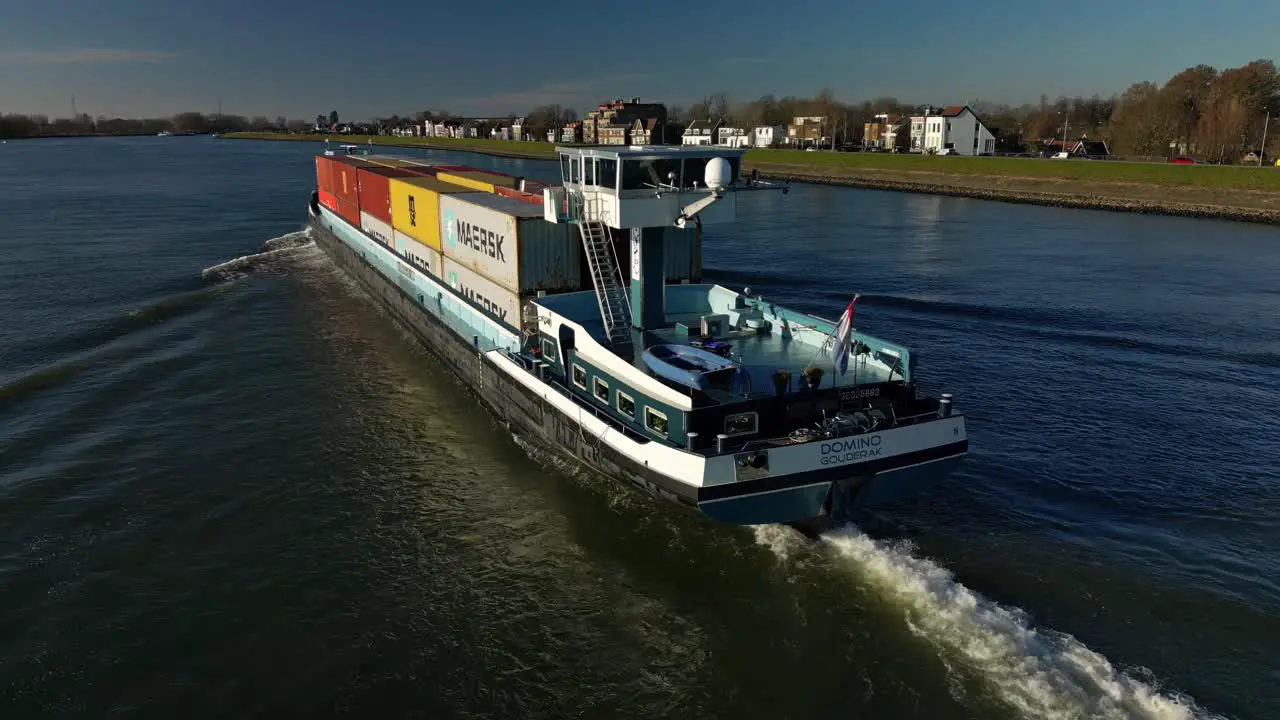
{"x": 611, "y": 294}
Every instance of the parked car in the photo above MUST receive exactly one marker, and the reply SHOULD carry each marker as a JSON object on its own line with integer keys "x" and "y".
{"x": 1182, "y": 161}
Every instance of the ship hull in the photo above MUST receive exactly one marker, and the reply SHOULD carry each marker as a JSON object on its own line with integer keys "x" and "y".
{"x": 522, "y": 412}
{"x": 811, "y": 500}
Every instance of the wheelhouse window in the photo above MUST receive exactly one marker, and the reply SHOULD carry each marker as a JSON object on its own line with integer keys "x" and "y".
{"x": 607, "y": 173}
{"x": 747, "y": 423}
{"x": 649, "y": 173}
{"x": 579, "y": 377}
{"x": 589, "y": 171}
{"x": 565, "y": 160}
{"x": 601, "y": 390}
{"x": 655, "y": 421}
{"x": 549, "y": 350}
{"x": 575, "y": 170}
{"x": 626, "y": 405}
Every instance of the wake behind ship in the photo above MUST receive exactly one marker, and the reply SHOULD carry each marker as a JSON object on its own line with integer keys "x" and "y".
{"x": 749, "y": 411}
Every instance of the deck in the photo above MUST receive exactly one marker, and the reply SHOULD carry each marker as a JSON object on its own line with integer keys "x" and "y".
{"x": 761, "y": 354}
{"x": 788, "y": 340}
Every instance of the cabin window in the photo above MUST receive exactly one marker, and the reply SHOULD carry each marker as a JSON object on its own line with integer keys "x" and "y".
{"x": 579, "y": 377}
{"x": 655, "y": 421}
{"x": 649, "y": 173}
{"x": 589, "y": 171}
{"x": 741, "y": 424}
{"x": 607, "y": 173}
{"x": 601, "y": 390}
{"x": 549, "y": 350}
{"x": 565, "y": 160}
{"x": 626, "y": 405}
{"x": 575, "y": 170}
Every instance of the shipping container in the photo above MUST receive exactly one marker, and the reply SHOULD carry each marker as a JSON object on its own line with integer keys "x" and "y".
{"x": 486, "y": 295}
{"x": 415, "y": 207}
{"x": 466, "y": 182}
{"x": 421, "y": 167}
{"x": 375, "y": 189}
{"x": 520, "y": 195}
{"x": 455, "y": 168}
{"x": 508, "y": 242}
{"x": 392, "y": 161}
{"x": 349, "y": 212}
{"x": 417, "y": 254}
{"x": 484, "y": 182}
{"x": 346, "y": 185}
{"x": 328, "y": 200}
{"x": 377, "y": 229}
{"x": 324, "y": 174}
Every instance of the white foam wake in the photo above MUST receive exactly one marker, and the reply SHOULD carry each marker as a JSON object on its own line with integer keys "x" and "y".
{"x": 1039, "y": 673}
{"x": 275, "y": 247}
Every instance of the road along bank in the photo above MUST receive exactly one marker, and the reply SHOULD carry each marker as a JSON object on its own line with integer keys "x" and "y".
{"x": 1229, "y": 193}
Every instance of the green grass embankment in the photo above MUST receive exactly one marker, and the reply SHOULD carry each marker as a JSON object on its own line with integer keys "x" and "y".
{"x": 1231, "y": 192}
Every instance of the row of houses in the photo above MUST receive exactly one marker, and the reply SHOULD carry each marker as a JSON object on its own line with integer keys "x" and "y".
{"x": 500, "y": 128}
{"x": 954, "y": 130}
{"x": 802, "y": 132}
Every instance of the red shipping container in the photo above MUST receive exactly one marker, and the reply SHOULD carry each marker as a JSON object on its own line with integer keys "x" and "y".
{"x": 328, "y": 200}
{"x": 518, "y": 195}
{"x": 324, "y": 174}
{"x": 345, "y": 183}
{"x": 375, "y": 193}
{"x": 349, "y": 212}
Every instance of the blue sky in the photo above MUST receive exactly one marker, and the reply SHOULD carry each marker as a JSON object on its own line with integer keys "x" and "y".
{"x": 148, "y": 57}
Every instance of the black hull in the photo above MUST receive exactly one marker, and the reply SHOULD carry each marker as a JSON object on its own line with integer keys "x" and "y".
{"x": 526, "y": 415}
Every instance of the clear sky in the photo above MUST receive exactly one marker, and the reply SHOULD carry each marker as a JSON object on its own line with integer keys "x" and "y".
{"x": 299, "y": 58}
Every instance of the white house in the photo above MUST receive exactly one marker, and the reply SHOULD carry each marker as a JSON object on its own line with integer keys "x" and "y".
{"x": 734, "y": 137}
{"x": 768, "y": 135}
{"x": 955, "y": 130}
{"x": 700, "y": 132}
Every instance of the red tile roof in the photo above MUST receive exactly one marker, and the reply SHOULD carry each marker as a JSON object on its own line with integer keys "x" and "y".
{"x": 953, "y": 111}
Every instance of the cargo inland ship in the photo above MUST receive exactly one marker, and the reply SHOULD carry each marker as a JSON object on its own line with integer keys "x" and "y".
{"x": 725, "y": 401}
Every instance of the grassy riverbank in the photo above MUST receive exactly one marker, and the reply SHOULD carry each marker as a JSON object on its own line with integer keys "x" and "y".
{"x": 1239, "y": 193}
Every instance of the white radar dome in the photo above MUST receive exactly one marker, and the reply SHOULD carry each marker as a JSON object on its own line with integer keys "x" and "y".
{"x": 718, "y": 173}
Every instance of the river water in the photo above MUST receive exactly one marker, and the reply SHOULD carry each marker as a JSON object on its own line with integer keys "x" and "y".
{"x": 257, "y": 497}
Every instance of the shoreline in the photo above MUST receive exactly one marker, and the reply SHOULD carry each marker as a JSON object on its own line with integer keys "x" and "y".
{"x": 1251, "y": 206}
{"x": 1111, "y": 203}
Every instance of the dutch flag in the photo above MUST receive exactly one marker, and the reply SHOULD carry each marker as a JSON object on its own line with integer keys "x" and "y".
{"x": 844, "y": 338}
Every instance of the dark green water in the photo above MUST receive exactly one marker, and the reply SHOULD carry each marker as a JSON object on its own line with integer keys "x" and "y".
{"x": 259, "y": 498}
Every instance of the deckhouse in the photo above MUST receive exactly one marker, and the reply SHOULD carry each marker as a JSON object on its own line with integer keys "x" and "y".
{"x": 701, "y": 367}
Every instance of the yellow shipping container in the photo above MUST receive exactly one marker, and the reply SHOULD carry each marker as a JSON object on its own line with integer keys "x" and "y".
{"x": 482, "y": 181}
{"x": 415, "y": 207}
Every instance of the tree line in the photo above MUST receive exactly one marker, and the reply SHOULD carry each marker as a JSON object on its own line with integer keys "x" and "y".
{"x": 1218, "y": 115}
{"x": 14, "y": 125}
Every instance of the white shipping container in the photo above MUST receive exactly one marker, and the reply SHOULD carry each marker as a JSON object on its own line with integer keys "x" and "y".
{"x": 417, "y": 254}
{"x": 378, "y": 229}
{"x": 482, "y": 292}
{"x": 508, "y": 242}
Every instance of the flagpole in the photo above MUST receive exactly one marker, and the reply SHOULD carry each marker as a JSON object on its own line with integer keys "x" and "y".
{"x": 832, "y": 334}
{"x": 846, "y": 335}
